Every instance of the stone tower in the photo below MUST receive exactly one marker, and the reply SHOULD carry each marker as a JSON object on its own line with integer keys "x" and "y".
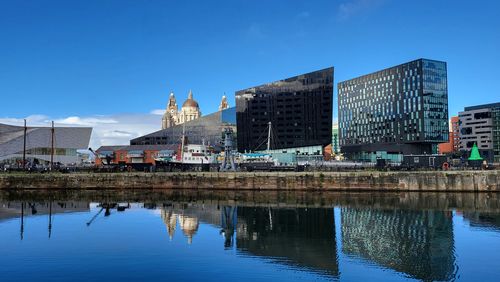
{"x": 171, "y": 116}
{"x": 223, "y": 104}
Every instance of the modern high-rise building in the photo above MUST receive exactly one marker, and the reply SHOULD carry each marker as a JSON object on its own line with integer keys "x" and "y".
{"x": 298, "y": 110}
{"x": 397, "y": 111}
{"x": 481, "y": 125}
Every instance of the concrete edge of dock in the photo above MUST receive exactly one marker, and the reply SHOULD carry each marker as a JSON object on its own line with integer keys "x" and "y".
{"x": 445, "y": 181}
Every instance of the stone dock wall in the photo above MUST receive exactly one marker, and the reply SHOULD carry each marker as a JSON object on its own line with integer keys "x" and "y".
{"x": 449, "y": 181}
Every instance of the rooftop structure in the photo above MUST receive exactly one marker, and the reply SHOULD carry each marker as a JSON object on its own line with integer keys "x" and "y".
{"x": 67, "y": 140}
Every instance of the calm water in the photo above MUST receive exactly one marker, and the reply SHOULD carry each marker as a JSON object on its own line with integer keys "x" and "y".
{"x": 251, "y": 236}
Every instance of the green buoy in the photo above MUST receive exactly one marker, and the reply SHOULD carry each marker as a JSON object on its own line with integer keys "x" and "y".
{"x": 474, "y": 154}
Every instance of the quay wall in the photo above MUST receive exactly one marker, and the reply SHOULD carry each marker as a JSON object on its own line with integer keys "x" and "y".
{"x": 445, "y": 181}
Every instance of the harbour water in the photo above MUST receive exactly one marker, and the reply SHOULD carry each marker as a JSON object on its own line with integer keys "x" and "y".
{"x": 248, "y": 236}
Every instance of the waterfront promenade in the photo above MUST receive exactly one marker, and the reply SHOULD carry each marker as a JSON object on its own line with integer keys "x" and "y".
{"x": 445, "y": 181}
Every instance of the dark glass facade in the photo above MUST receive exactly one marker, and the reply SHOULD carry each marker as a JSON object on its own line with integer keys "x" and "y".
{"x": 285, "y": 235}
{"x": 299, "y": 109}
{"x": 399, "y": 110}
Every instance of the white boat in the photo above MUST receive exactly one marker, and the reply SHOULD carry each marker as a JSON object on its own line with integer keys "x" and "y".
{"x": 194, "y": 154}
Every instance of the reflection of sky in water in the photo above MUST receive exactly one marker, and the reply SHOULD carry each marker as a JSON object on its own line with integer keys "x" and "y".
{"x": 268, "y": 244}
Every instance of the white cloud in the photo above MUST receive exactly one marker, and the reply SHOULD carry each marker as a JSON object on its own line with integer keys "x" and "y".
{"x": 33, "y": 119}
{"x": 350, "y": 8}
{"x": 116, "y": 129}
{"x": 159, "y": 112}
{"x": 85, "y": 121}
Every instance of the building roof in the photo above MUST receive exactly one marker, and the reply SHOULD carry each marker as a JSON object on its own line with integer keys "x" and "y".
{"x": 190, "y": 102}
{"x": 204, "y": 124}
{"x": 130, "y": 148}
{"x": 484, "y": 106}
{"x": 12, "y": 138}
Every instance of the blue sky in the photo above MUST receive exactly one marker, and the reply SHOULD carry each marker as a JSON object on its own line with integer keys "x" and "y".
{"x": 61, "y": 59}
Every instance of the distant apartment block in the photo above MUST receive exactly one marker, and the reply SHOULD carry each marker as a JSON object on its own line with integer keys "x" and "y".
{"x": 453, "y": 145}
{"x": 481, "y": 125}
{"x": 397, "y": 111}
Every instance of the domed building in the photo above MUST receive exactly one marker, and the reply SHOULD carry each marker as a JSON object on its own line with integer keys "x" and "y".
{"x": 190, "y": 111}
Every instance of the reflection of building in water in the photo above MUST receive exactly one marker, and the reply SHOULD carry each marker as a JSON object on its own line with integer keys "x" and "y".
{"x": 10, "y": 210}
{"x": 189, "y": 226}
{"x": 418, "y": 243}
{"x": 483, "y": 220}
{"x": 304, "y": 237}
{"x": 189, "y": 217}
{"x": 170, "y": 220}
{"x": 228, "y": 224}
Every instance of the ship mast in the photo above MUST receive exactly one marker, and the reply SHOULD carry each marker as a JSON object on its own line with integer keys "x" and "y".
{"x": 269, "y": 138}
{"x": 24, "y": 145}
{"x": 183, "y": 140}
{"x": 52, "y": 148}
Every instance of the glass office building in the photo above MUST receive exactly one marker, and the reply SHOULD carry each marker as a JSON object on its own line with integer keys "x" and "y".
{"x": 397, "y": 111}
{"x": 299, "y": 110}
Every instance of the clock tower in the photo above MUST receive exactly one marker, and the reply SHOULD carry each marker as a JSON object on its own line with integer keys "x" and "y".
{"x": 170, "y": 117}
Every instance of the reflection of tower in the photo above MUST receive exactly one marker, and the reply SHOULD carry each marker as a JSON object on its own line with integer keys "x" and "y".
{"x": 189, "y": 226}
{"x": 228, "y": 223}
{"x": 170, "y": 220}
